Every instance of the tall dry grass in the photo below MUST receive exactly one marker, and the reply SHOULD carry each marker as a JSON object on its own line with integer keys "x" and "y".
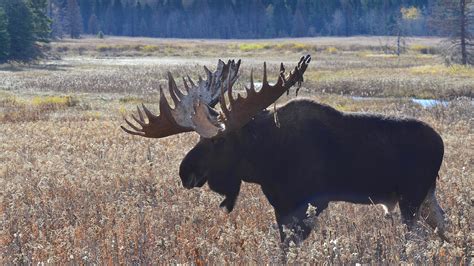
{"x": 75, "y": 189}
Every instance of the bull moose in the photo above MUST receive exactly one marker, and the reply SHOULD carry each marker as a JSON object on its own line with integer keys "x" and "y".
{"x": 300, "y": 153}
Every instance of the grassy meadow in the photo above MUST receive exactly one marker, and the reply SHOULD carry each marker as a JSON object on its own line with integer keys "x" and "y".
{"x": 76, "y": 189}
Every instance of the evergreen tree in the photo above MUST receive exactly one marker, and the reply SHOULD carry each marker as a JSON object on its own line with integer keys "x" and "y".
{"x": 118, "y": 15}
{"x": 270, "y": 30}
{"x": 41, "y": 22}
{"x": 348, "y": 10}
{"x": 20, "y": 28}
{"x": 281, "y": 19}
{"x": 4, "y": 37}
{"x": 57, "y": 13}
{"x": 299, "y": 27}
{"x": 74, "y": 19}
{"x": 86, "y": 13}
{"x": 93, "y": 24}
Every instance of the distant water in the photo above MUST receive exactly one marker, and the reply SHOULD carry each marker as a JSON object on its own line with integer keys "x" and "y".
{"x": 427, "y": 103}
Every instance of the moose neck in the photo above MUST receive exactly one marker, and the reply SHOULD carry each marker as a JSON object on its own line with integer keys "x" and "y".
{"x": 256, "y": 141}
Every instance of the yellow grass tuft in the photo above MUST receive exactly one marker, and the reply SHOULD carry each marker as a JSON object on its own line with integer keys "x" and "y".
{"x": 301, "y": 46}
{"x": 332, "y": 50}
{"x": 381, "y": 55}
{"x": 104, "y": 48}
{"x": 248, "y": 47}
{"x": 150, "y": 48}
{"x": 58, "y": 101}
{"x": 453, "y": 70}
{"x": 422, "y": 49}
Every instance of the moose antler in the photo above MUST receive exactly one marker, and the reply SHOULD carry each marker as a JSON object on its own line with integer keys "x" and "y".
{"x": 194, "y": 111}
{"x": 241, "y": 110}
{"x": 178, "y": 120}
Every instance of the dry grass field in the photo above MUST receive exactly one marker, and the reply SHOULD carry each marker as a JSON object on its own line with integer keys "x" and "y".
{"x": 76, "y": 189}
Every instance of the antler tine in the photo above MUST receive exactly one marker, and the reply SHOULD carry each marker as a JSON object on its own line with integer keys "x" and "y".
{"x": 163, "y": 103}
{"x": 140, "y": 114}
{"x": 148, "y": 114}
{"x": 282, "y": 73}
{"x": 175, "y": 93}
{"x": 281, "y": 78}
{"x": 229, "y": 94}
{"x": 237, "y": 67}
{"x": 208, "y": 73}
{"x": 186, "y": 85}
{"x": 140, "y": 122}
{"x": 265, "y": 81}
{"x": 222, "y": 102}
{"x": 136, "y": 133}
{"x": 132, "y": 126}
{"x": 252, "y": 85}
{"x": 191, "y": 81}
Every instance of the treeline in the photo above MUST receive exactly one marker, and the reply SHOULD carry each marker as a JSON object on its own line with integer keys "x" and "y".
{"x": 23, "y": 25}
{"x": 239, "y": 19}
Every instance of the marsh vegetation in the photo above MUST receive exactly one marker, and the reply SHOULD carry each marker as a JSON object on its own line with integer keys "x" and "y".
{"x": 76, "y": 189}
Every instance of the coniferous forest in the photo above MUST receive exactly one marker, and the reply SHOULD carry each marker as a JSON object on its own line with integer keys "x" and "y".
{"x": 24, "y": 24}
{"x": 239, "y": 19}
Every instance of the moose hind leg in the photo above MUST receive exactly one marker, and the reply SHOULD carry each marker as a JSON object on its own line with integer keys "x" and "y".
{"x": 409, "y": 208}
{"x": 433, "y": 214}
{"x": 388, "y": 208}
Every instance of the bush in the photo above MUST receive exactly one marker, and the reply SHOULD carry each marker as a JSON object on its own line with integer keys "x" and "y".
{"x": 332, "y": 50}
{"x": 100, "y": 35}
{"x": 149, "y": 48}
{"x": 104, "y": 48}
{"x": 54, "y": 102}
{"x": 247, "y": 47}
{"x": 423, "y": 49}
{"x": 301, "y": 47}
{"x": 62, "y": 48}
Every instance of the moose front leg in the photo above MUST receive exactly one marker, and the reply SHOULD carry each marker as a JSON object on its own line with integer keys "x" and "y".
{"x": 292, "y": 226}
{"x": 229, "y": 202}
